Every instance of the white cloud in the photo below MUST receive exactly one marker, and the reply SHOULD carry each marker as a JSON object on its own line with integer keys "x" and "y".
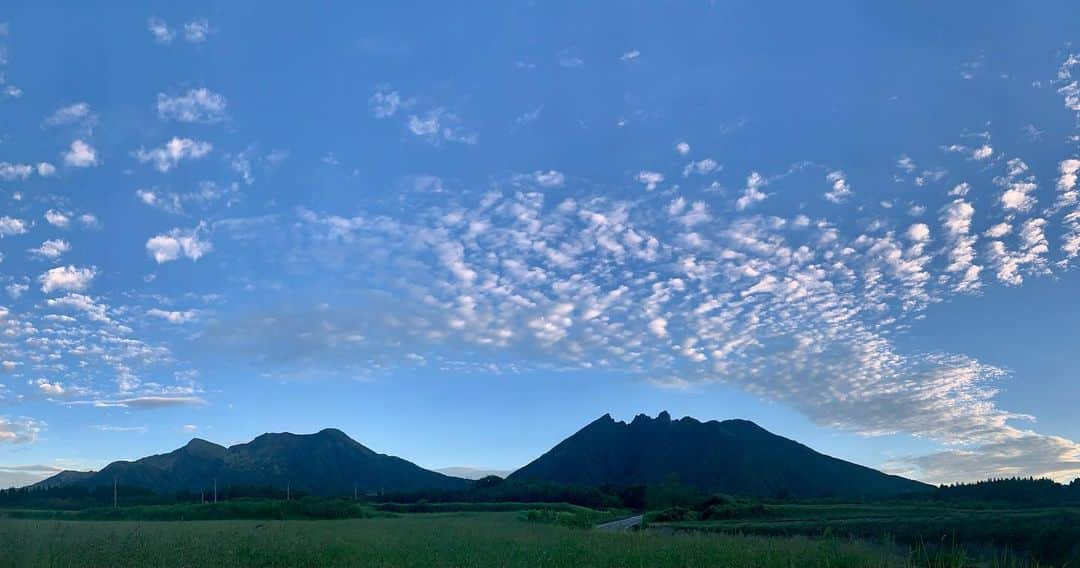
{"x": 1012, "y": 265}
{"x": 169, "y": 156}
{"x": 11, "y": 226}
{"x": 1071, "y": 93}
{"x": 50, "y": 389}
{"x": 207, "y": 193}
{"x": 682, "y": 148}
{"x": 72, "y": 114}
{"x": 197, "y": 31}
{"x": 9, "y": 172}
{"x": 179, "y": 243}
{"x": 15, "y": 290}
{"x": 650, "y": 179}
{"x": 919, "y": 233}
{"x": 840, "y": 189}
{"x": 160, "y": 30}
{"x": 45, "y": 169}
{"x": 57, "y": 219}
{"x": 197, "y": 105}
{"x": 1066, "y": 183}
{"x": 438, "y": 125}
{"x": 89, "y": 221}
{"x": 51, "y": 249}
{"x": 982, "y": 152}
{"x": 631, "y": 55}
{"x": 66, "y": 278}
{"x": 658, "y": 327}
{"x": 752, "y": 194}
{"x": 1019, "y": 186}
{"x": 1068, "y": 196}
{"x": 701, "y": 167}
{"x": 960, "y": 190}
{"x": 528, "y": 117}
{"x": 189, "y": 428}
{"x": 20, "y": 430}
{"x": 550, "y": 178}
{"x": 92, "y": 309}
{"x": 81, "y": 155}
{"x": 906, "y": 164}
{"x": 173, "y": 316}
{"x": 385, "y": 102}
{"x": 143, "y": 402}
{"x": 998, "y": 231}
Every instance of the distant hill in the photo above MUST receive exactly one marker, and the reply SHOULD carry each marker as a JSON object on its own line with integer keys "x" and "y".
{"x": 473, "y": 473}
{"x": 734, "y": 456}
{"x": 325, "y": 463}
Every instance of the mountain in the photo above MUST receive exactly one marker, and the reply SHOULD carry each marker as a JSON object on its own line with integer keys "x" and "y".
{"x": 735, "y": 457}
{"x": 473, "y": 473}
{"x": 328, "y": 462}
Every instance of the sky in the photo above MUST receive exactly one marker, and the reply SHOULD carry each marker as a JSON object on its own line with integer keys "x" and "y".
{"x": 459, "y": 234}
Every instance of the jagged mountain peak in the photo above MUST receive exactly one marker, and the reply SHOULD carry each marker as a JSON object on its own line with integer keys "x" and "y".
{"x": 732, "y": 456}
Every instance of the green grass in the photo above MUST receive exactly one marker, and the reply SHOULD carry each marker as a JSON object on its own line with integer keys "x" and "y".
{"x": 428, "y": 540}
{"x": 1049, "y": 536}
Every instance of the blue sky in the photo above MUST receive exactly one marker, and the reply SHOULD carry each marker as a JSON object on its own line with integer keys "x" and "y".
{"x": 459, "y": 234}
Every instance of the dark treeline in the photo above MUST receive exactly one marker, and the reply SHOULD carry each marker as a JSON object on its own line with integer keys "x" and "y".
{"x": 1015, "y": 490}
{"x": 75, "y": 497}
{"x": 487, "y": 490}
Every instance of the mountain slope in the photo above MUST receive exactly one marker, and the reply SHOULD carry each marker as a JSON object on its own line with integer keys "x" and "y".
{"x": 733, "y": 456}
{"x": 325, "y": 463}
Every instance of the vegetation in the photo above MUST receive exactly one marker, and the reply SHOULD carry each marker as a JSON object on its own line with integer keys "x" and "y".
{"x": 1016, "y": 491}
{"x": 475, "y": 539}
{"x": 1049, "y": 536}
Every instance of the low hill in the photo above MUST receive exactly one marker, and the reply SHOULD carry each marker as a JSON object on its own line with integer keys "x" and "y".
{"x": 736, "y": 457}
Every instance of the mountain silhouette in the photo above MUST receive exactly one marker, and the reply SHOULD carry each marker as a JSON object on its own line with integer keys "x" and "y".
{"x": 328, "y": 462}
{"x": 734, "y": 456}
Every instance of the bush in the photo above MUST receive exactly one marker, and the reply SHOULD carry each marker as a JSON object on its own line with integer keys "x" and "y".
{"x": 728, "y": 511}
{"x": 671, "y": 515}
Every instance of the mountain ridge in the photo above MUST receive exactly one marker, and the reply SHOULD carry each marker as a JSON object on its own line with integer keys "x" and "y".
{"x": 327, "y": 462}
{"x": 733, "y": 456}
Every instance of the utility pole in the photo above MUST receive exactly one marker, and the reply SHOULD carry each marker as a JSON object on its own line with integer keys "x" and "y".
{"x": 215, "y": 490}
{"x": 354, "y": 488}
{"x": 114, "y": 492}
{"x": 202, "y": 496}
{"x": 288, "y": 490}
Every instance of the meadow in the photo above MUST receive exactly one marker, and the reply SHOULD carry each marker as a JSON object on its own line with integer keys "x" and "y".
{"x": 1045, "y": 536}
{"x": 422, "y": 540}
{"x": 719, "y": 531}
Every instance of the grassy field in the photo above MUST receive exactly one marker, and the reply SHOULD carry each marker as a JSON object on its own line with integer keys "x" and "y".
{"x": 335, "y": 532}
{"x": 1047, "y": 536}
{"x": 422, "y": 540}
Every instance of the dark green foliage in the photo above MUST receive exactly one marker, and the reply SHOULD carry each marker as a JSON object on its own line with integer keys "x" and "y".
{"x": 515, "y": 492}
{"x": 420, "y": 541}
{"x": 1019, "y": 491}
{"x": 671, "y": 515}
{"x": 734, "y": 456}
{"x": 577, "y": 517}
{"x": 1048, "y": 536}
{"x": 310, "y": 508}
{"x": 327, "y": 463}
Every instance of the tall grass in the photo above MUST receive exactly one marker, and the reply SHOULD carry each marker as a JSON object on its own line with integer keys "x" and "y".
{"x": 470, "y": 539}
